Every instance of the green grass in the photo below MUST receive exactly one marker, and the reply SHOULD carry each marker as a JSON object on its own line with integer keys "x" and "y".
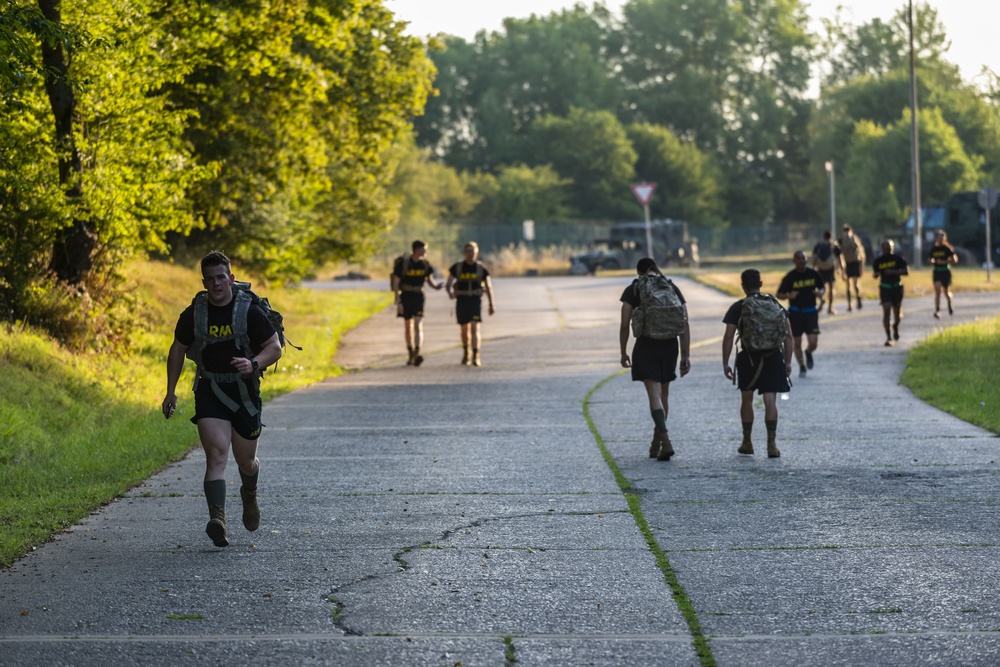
{"x": 956, "y": 370}
{"x": 78, "y": 430}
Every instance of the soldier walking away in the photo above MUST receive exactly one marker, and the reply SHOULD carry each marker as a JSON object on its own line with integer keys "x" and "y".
{"x": 888, "y": 269}
{"x": 467, "y": 281}
{"x": 942, "y": 256}
{"x": 853, "y": 252}
{"x": 764, "y": 360}
{"x": 231, "y": 341}
{"x": 409, "y": 273}
{"x": 801, "y": 286}
{"x": 827, "y": 261}
{"x": 655, "y": 310}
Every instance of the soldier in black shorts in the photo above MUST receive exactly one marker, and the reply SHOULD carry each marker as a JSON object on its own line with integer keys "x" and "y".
{"x": 227, "y": 389}
{"x": 653, "y": 362}
{"x": 853, "y": 252}
{"x": 769, "y": 382}
{"x": 467, "y": 281}
{"x": 801, "y": 286}
{"x": 888, "y": 269}
{"x": 408, "y": 277}
{"x": 942, "y": 256}
{"x": 827, "y": 260}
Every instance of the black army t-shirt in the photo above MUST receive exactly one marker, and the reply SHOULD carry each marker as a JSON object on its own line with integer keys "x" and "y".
{"x": 217, "y": 356}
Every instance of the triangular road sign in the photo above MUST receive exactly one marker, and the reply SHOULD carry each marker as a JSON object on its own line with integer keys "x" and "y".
{"x": 643, "y": 192}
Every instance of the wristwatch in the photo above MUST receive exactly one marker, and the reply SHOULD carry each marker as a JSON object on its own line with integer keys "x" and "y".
{"x": 253, "y": 362}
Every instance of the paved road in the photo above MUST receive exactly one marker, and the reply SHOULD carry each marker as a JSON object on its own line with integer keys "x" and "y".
{"x": 447, "y": 515}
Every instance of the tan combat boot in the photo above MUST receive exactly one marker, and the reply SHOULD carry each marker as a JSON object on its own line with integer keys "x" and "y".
{"x": 216, "y": 528}
{"x": 666, "y": 448}
{"x": 251, "y": 512}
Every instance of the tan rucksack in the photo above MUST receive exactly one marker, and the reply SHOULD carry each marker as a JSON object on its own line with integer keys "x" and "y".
{"x": 852, "y": 250}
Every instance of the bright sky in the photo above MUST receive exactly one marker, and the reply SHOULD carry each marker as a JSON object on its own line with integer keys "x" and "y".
{"x": 969, "y": 23}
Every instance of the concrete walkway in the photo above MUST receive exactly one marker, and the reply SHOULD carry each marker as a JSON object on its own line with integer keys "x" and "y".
{"x": 447, "y": 515}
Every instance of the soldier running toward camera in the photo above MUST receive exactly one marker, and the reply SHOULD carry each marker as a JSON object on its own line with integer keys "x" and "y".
{"x": 942, "y": 256}
{"x": 409, "y": 273}
{"x": 853, "y": 253}
{"x": 827, "y": 260}
{"x": 801, "y": 286}
{"x": 467, "y": 281}
{"x": 888, "y": 269}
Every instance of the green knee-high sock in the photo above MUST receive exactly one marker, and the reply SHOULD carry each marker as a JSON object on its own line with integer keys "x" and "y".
{"x": 772, "y": 428}
{"x": 215, "y": 492}
{"x": 660, "y": 419}
{"x": 747, "y": 431}
{"x": 249, "y": 481}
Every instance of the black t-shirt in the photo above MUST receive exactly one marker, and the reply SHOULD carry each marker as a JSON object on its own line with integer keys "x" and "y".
{"x": 824, "y": 249}
{"x": 733, "y": 314}
{"x": 631, "y": 294}
{"x": 942, "y": 253}
{"x": 217, "y": 356}
{"x": 806, "y": 282}
{"x": 884, "y": 262}
{"x": 416, "y": 273}
{"x": 468, "y": 277}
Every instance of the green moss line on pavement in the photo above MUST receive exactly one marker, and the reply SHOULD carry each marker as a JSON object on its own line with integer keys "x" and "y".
{"x": 700, "y": 642}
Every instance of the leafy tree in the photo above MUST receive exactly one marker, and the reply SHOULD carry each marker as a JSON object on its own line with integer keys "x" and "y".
{"x": 528, "y": 193}
{"x": 592, "y": 150}
{"x": 687, "y": 180}
{"x": 878, "y": 47}
{"x": 492, "y": 90}
{"x": 732, "y": 77}
{"x": 298, "y": 103}
{"x": 882, "y": 100}
{"x": 100, "y": 170}
{"x": 877, "y": 174}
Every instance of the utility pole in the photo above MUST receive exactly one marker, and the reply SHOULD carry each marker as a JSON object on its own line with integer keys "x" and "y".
{"x": 914, "y": 153}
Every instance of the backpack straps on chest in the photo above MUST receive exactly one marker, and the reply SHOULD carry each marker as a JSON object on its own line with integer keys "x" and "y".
{"x": 202, "y": 338}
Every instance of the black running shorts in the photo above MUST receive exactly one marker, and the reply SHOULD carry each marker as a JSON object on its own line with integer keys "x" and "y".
{"x": 891, "y": 295}
{"x": 468, "y": 309}
{"x": 413, "y": 304}
{"x": 803, "y": 323}
{"x": 852, "y": 269}
{"x": 207, "y": 404}
{"x": 655, "y": 360}
{"x": 772, "y": 376}
{"x": 942, "y": 277}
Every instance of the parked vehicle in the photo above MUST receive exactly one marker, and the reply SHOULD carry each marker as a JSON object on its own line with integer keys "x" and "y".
{"x": 626, "y": 244}
{"x": 964, "y": 221}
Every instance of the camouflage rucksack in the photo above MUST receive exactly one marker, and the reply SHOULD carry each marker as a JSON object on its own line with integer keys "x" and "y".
{"x": 762, "y": 325}
{"x": 660, "y": 314}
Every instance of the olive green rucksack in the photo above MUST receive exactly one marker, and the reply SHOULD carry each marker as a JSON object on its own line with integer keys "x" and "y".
{"x": 762, "y": 326}
{"x": 660, "y": 314}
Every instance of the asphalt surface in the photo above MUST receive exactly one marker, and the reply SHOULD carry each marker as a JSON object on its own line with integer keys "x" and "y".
{"x": 449, "y": 515}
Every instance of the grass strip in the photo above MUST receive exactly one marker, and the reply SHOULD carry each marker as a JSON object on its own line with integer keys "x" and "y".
{"x": 78, "y": 429}
{"x": 955, "y": 370}
{"x": 700, "y": 642}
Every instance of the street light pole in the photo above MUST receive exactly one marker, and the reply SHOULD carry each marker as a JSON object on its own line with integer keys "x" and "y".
{"x": 914, "y": 153}
{"x": 833, "y": 205}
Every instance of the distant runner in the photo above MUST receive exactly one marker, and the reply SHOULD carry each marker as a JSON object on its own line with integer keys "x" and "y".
{"x": 888, "y": 269}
